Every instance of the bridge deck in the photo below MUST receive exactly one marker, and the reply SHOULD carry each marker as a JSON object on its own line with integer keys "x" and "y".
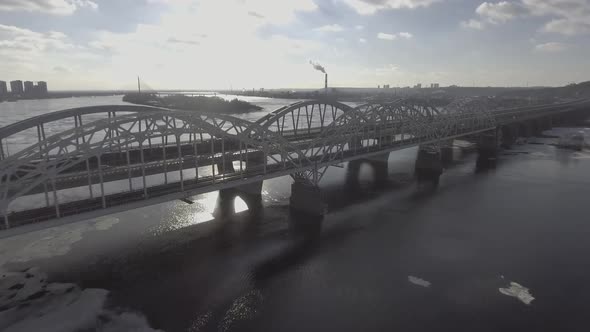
{"x": 377, "y": 130}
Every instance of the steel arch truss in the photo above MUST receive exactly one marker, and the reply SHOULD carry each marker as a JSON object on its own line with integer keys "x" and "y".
{"x": 303, "y": 118}
{"x": 386, "y": 125}
{"x": 45, "y": 161}
{"x": 302, "y": 140}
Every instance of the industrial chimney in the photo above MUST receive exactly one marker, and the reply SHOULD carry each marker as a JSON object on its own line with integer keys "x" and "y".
{"x": 326, "y": 83}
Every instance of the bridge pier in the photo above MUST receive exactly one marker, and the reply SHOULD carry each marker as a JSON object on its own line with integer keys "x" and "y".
{"x": 306, "y": 198}
{"x": 379, "y": 164}
{"x": 509, "y": 136}
{"x": 250, "y": 193}
{"x": 428, "y": 165}
{"x": 488, "y": 145}
{"x": 525, "y": 130}
{"x": 446, "y": 152}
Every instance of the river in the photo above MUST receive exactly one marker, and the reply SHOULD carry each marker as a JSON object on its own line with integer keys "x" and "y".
{"x": 496, "y": 250}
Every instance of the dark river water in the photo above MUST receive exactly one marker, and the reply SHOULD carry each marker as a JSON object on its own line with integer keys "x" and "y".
{"x": 501, "y": 249}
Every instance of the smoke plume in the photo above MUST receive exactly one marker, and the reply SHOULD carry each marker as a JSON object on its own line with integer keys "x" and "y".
{"x": 317, "y": 66}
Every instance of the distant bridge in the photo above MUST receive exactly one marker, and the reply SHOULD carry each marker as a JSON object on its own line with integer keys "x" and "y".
{"x": 124, "y": 157}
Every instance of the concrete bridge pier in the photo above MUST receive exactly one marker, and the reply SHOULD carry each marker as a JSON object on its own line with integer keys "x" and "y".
{"x": 306, "y": 199}
{"x": 428, "y": 165}
{"x": 380, "y": 167}
{"x": 538, "y": 127}
{"x": 488, "y": 145}
{"x": 446, "y": 152}
{"x": 525, "y": 130}
{"x": 509, "y": 136}
{"x": 250, "y": 193}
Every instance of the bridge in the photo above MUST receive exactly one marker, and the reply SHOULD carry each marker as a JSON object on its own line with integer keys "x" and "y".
{"x": 87, "y": 162}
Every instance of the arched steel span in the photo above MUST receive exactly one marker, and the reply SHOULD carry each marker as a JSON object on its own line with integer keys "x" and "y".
{"x": 373, "y": 125}
{"x": 40, "y": 122}
{"x": 216, "y": 141}
{"x": 367, "y": 125}
{"x": 303, "y": 117}
{"x": 43, "y": 161}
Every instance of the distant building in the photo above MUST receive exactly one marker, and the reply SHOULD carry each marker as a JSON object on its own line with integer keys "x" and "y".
{"x": 16, "y": 87}
{"x": 3, "y": 88}
{"x": 434, "y": 85}
{"x": 385, "y": 86}
{"x": 378, "y": 86}
{"x": 418, "y": 86}
{"x": 29, "y": 87}
{"x": 41, "y": 88}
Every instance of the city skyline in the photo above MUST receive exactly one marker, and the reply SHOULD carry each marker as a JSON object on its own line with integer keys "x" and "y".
{"x": 238, "y": 44}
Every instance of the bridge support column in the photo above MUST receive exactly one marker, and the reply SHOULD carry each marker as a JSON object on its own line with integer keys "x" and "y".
{"x": 380, "y": 167}
{"x": 488, "y": 145}
{"x": 352, "y": 173}
{"x": 509, "y": 135}
{"x": 251, "y": 193}
{"x": 525, "y": 130}
{"x": 446, "y": 152}
{"x": 428, "y": 165}
{"x": 538, "y": 127}
{"x": 548, "y": 123}
{"x": 306, "y": 199}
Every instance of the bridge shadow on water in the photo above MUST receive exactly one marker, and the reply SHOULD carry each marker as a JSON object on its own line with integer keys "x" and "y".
{"x": 239, "y": 253}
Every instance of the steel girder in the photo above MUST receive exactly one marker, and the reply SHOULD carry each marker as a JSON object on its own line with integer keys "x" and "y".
{"x": 320, "y": 133}
{"x": 42, "y": 162}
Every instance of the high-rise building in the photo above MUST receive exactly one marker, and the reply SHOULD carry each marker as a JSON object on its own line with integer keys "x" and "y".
{"x": 29, "y": 88}
{"x": 434, "y": 85}
{"x": 385, "y": 86}
{"x": 16, "y": 87}
{"x": 3, "y": 88}
{"x": 41, "y": 88}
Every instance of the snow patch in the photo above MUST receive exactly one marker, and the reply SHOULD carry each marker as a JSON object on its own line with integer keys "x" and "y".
{"x": 56, "y": 241}
{"x": 418, "y": 281}
{"x": 519, "y": 291}
{"x": 29, "y": 303}
{"x": 103, "y": 224}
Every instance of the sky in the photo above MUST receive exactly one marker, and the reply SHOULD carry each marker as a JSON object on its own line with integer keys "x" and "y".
{"x": 223, "y": 44}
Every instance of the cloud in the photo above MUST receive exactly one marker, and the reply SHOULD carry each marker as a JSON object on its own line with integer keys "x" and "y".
{"x": 369, "y": 7}
{"x": 182, "y": 41}
{"x": 255, "y": 14}
{"x": 472, "y": 24}
{"x": 330, "y": 28}
{"x": 15, "y": 39}
{"x": 500, "y": 12}
{"x": 386, "y": 70}
{"x": 362, "y": 40}
{"x": 406, "y": 35}
{"x": 386, "y": 36}
{"x": 359, "y": 27}
{"x": 567, "y": 17}
{"x": 56, "y": 7}
{"x": 276, "y": 12}
{"x": 551, "y": 47}
{"x": 213, "y": 62}
{"x": 567, "y": 27}
{"x": 61, "y": 70}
